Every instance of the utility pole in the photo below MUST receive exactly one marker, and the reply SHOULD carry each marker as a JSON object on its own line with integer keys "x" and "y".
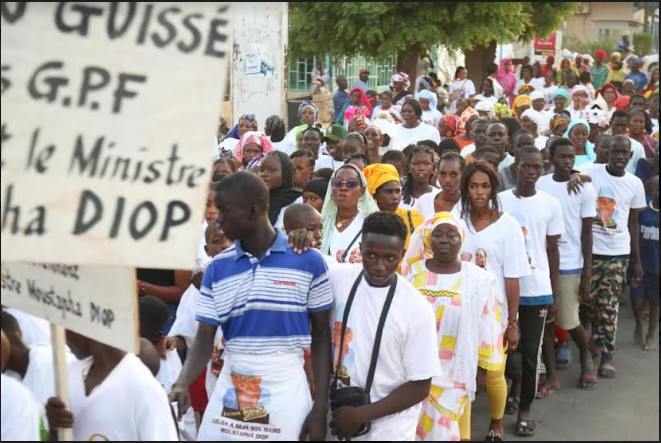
{"x": 647, "y": 17}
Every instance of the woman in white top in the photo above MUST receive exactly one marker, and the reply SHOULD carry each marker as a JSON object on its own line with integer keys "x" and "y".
{"x": 461, "y": 87}
{"x": 246, "y": 123}
{"x": 413, "y": 130}
{"x": 428, "y": 101}
{"x": 494, "y": 241}
{"x": 343, "y": 213}
{"x": 487, "y": 94}
{"x": 446, "y": 199}
{"x": 527, "y": 78}
{"x": 419, "y": 178}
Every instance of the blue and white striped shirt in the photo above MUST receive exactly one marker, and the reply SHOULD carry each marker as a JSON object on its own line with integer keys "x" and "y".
{"x": 263, "y": 306}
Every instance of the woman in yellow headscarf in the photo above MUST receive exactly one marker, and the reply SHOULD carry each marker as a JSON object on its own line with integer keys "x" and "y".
{"x": 384, "y": 185}
{"x": 521, "y": 103}
{"x": 464, "y": 298}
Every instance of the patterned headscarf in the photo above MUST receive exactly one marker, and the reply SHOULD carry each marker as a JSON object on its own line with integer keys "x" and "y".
{"x": 452, "y": 122}
{"x": 419, "y": 249}
{"x": 366, "y": 205}
{"x": 465, "y": 116}
{"x": 502, "y": 110}
{"x": 308, "y": 104}
{"x": 253, "y": 137}
{"x": 521, "y": 100}
{"x": 622, "y": 102}
{"x": 559, "y": 120}
{"x": 400, "y": 77}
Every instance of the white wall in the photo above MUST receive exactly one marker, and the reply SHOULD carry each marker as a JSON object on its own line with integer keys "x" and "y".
{"x": 259, "y": 40}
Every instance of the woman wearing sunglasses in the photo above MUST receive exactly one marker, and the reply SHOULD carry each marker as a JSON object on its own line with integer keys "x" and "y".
{"x": 344, "y": 210}
{"x": 246, "y": 123}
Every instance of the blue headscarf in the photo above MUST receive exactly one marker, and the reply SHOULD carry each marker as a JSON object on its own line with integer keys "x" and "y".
{"x": 561, "y": 91}
{"x": 428, "y": 95}
{"x": 590, "y": 155}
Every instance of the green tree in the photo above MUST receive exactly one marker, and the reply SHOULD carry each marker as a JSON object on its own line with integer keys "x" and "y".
{"x": 408, "y": 28}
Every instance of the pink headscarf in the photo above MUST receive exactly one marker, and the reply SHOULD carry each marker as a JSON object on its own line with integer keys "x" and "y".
{"x": 351, "y": 110}
{"x": 400, "y": 77}
{"x": 253, "y": 137}
{"x": 506, "y": 78}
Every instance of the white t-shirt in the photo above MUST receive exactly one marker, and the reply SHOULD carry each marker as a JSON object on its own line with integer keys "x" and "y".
{"x": 638, "y": 152}
{"x": 129, "y": 405}
{"x": 540, "y": 142}
{"x": 491, "y": 99}
{"x": 468, "y": 149}
{"x": 431, "y": 117}
{"x": 326, "y": 161}
{"x": 20, "y": 412}
{"x": 40, "y": 374}
{"x": 506, "y": 162}
{"x": 575, "y": 207}
{"x": 616, "y": 196}
{"x": 408, "y": 350}
{"x": 391, "y": 111}
{"x": 539, "y": 216}
{"x": 202, "y": 258}
{"x": 280, "y": 222}
{"x": 500, "y": 249}
{"x": 349, "y": 238}
{"x": 425, "y": 205}
{"x": 466, "y": 88}
{"x": 406, "y": 136}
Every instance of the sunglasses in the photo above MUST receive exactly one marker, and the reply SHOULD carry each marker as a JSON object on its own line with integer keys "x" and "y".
{"x": 351, "y": 183}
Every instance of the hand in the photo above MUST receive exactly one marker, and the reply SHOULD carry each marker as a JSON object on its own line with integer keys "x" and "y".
{"x": 300, "y": 240}
{"x": 196, "y": 280}
{"x": 309, "y": 373}
{"x": 511, "y": 338}
{"x": 314, "y": 427}
{"x": 182, "y": 397}
{"x": 171, "y": 343}
{"x": 345, "y": 422}
{"x": 58, "y": 415}
{"x": 480, "y": 380}
{"x": 637, "y": 270}
{"x": 575, "y": 183}
{"x": 584, "y": 288}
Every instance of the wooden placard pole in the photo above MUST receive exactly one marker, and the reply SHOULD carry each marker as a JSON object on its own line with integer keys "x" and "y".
{"x": 61, "y": 375}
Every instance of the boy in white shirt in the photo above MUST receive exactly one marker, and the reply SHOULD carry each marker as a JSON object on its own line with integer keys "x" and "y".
{"x": 575, "y": 256}
{"x": 620, "y": 196}
{"x": 408, "y": 355}
{"x": 540, "y": 216}
{"x": 113, "y": 397}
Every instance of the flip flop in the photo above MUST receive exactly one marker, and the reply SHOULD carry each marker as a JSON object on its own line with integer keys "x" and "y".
{"x": 588, "y": 381}
{"x": 512, "y": 405}
{"x": 492, "y": 436}
{"x": 525, "y": 428}
{"x": 606, "y": 370}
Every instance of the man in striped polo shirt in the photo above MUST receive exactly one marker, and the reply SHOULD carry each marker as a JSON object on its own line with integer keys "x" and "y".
{"x": 271, "y": 304}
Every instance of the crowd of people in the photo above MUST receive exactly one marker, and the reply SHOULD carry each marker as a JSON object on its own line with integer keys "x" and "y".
{"x": 367, "y": 278}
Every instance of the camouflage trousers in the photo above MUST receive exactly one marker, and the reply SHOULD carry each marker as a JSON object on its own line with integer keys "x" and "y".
{"x": 608, "y": 276}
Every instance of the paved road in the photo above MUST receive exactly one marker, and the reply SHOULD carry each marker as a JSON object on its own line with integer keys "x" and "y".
{"x": 622, "y": 409}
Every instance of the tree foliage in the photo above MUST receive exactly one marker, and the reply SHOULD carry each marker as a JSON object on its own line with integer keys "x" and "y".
{"x": 385, "y": 28}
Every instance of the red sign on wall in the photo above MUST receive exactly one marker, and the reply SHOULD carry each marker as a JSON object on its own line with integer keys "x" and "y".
{"x": 545, "y": 46}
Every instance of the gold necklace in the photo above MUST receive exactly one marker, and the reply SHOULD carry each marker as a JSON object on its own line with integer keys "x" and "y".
{"x": 341, "y": 223}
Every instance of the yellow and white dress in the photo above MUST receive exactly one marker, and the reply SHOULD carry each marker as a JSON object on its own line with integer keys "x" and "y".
{"x": 468, "y": 324}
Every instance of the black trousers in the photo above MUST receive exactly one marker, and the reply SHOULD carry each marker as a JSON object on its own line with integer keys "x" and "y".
{"x": 531, "y": 326}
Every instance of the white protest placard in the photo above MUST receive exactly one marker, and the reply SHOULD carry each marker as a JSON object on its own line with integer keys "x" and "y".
{"x": 97, "y": 302}
{"x": 109, "y": 115}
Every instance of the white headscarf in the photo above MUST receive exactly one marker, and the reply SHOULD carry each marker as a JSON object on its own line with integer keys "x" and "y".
{"x": 366, "y": 206}
{"x": 533, "y": 115}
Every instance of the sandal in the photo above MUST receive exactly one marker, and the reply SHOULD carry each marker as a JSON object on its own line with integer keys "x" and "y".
{"x": 606, "y": 370}
{"x": 525, "y": 428}
{"x": 563, "y": 357}
{"x": 512, "y": 405}
{"x": 587, "y": 381}
{"x": 542, "y": 392}
{"x": 492, "y": 436}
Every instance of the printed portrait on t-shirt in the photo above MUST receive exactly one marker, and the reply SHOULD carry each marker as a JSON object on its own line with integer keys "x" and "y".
{"x": 466, "y": 256}
{"x": 248, "y": 401}
{"x": 606, "y": 208}
{"x": 522, "y": 221}
{"x": 347, "y": 354}
{"x": 481, "y": 258}
{"x": 354, "y": 257}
